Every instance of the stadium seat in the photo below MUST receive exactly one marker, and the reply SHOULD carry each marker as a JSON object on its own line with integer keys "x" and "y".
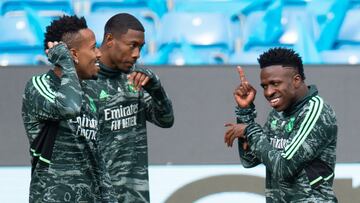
{"x": 290, "y": 15}
{"x": 19, "y": 45}
{"x": 341, "y": 56}
{"x": 18, "y": 33}
{"x": 329, "y": 16}
{"x": 197, "y": 38}
{"x": 96, "y": 22}
{"x": 263, "y": 27}
{"x": 245, "y": 58}
{"x": 260, "y": 30}
{"x": 41, "y": 7}
{"x": 350, "y": 31}
{"x": 36, "y": 14}
{"x": 347, "y": 45}
{"x": 284, "y": 24}
{"x": 235, "y": 10}
{"x": 228, "y": 7}
{"x": 135, "y": 6}
{"x": 298, "y": 2}
{"x": 22, "y": 58}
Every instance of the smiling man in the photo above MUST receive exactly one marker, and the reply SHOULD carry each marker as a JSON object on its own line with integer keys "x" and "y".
{"x": 297, "y": 144}
{"x": 59, "y": 120}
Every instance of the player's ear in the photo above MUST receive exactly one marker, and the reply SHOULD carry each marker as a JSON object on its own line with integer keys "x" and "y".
{"x": 74, "y": 55}
{"x": 297, "y": 80}
{"x": 109, "y": 40}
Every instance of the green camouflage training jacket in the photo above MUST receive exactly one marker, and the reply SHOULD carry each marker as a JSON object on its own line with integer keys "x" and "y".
{"x": 297, "y": 147}
{"x": 122, "y": 129}
{"x": 61, "y": 124}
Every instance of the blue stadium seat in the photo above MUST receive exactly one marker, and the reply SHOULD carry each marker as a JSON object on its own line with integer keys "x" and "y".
{"x": 38, "y": 13}
{"x": 285, "y": 24}
{"x": 260, "y": 30}
{"x": 22, "y": 58}
{"x": 347, "y": 45}
{"x": 329, "y": 17}
{"x": 341, "y": 56}
{"x": 290, "y": 15}
{"x": 246, "y": 57}
{"x": 18, "y": 33}
{"x": 229, "y": 7}
{"x": 298, "y": 2}
{"x": 197, "y": 38}
{"x": 42, "y": 7}
{"x": 111, "y": 5}
{"x": 19, "y": 44}
{"x": 96, "y": 22}
{"x": 263, "y": 27}
{"x": 350, "y": 30}
{"x": 234, "y": 10}
{"x": 135, "y": 6}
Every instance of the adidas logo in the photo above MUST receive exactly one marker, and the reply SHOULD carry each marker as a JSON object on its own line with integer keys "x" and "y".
{"x": 103, "y": 95}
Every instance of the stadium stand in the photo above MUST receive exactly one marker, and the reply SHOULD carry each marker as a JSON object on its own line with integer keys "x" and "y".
{"x": 159, "y": 7}
{"x": 42, "y": 7}
{"x": 196, "y": 38}
{"x": 178, "y": 31}
{"x": 20, "y": 42}
{"x": 346, "y": 49}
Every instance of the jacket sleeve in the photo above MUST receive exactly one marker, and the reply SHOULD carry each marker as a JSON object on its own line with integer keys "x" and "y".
{"x": 158, "y": 105}
{"x": 312, "y": 133}
{"x": 58, "y": 103}
{"x": 246, "y": 116}
{"x": 159, "y": 109}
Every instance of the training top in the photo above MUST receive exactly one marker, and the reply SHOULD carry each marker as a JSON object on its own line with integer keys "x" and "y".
{"x": 61, "y": 123}
{"x": 122, "y": 129}
{"x": 297, "y": 147}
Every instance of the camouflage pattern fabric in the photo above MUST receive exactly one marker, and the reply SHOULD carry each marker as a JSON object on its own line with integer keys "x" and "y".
{"x": 122, "y": 129}
{"x": 72, "y": 174}
{"x": 298, "y": 148}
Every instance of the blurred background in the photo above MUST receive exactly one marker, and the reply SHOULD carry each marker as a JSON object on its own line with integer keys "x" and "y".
{"x": 194, "y": 46}
{"x": 193, "y": 32}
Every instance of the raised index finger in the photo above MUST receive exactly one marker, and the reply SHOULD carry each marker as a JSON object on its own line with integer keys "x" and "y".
{"x": 242, "y": 74}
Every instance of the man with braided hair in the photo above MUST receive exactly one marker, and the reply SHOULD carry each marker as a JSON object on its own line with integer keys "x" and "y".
{"x": 297, "y": 144}
{"x": 128, "y": 96}
{"x": 60, "y": 120}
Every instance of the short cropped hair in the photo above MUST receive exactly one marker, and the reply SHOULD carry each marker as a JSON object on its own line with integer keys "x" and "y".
{"x": 64, "y": 29}
{"x": 120, "y": 23}
{"x": 282, "y": 56}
